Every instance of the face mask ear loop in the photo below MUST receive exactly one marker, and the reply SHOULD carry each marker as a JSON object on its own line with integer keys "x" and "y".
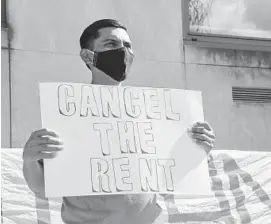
{"x": 128, "y": 61}
{"x": 95, "y": 57}
{"x": 87, "y": 58}
{"x": 122, "y": 78}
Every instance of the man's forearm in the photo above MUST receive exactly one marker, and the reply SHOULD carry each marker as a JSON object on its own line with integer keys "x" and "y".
{"x": 34, "y": 176}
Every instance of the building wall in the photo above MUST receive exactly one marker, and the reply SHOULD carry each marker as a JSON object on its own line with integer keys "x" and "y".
{"x": 44, "y": 48}
{"x": 239, "y": 126}
{"x": 5, "y": 91}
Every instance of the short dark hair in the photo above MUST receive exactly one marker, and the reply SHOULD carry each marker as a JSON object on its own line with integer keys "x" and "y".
{"x": 92, "y": 31}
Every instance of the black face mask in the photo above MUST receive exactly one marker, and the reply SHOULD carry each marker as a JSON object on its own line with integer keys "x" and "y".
{"x": 115, "y": 63}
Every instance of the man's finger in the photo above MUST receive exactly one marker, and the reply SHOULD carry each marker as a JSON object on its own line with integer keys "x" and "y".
{"x": 202, "y": 124}
{"x": 202, "y": 130}
{"x": 48, "y": 141}
{"x": 50, "y": 148}
{"x": 47, "y": 155}
{"x": 202, "y": 137}
{"x": 41, "y": 152}
{"x": 205, "y": 145}
{"x": 44, "y": 132}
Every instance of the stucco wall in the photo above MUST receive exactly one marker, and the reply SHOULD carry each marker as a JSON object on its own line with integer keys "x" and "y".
{"x": 44, "y": 42}
{"x": 239, "y": 126}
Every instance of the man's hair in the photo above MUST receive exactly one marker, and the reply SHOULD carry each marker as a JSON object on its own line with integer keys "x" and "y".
{"x": 92, "y": 31}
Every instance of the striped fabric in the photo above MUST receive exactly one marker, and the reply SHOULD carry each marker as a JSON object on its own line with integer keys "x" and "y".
{"x": 241, "y": 192}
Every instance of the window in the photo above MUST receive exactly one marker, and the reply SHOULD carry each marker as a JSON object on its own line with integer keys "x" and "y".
{"x": 243, "y": 24}
{"x": 3, "y": 14}
{"x": 4, "y": 30}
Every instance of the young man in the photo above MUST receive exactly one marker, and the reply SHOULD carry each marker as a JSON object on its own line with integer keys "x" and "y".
{"x": 107, "y": 51}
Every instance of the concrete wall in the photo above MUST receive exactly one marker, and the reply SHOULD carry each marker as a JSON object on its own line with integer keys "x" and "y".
{"x": 45, "y": 47}
{"x": 5, "y": 91}
{"x": 239, "y": 126}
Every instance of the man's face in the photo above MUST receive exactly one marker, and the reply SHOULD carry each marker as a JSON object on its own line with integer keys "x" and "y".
{"x": 112, "y": 38}
{"x": 109, "y": 65}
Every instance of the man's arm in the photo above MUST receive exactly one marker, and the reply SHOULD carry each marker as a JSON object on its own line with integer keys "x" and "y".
{"x": 42, "y": 144}
{"x": 34, "y": 176}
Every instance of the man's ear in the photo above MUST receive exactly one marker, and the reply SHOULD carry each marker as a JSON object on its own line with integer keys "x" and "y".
{"x": 87, "y": 56}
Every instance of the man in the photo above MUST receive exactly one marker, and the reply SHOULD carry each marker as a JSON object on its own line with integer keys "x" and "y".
{"x": 107, "y": 51}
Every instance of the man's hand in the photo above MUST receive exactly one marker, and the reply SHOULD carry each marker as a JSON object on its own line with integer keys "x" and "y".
{"x": 42, "y": 144}
{"x": 203, "y": 134}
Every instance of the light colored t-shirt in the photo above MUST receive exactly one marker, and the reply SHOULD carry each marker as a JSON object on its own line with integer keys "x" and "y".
{"x": 110, "y": 209}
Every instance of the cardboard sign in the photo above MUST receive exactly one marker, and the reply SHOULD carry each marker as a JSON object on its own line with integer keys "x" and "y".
{"x": 123, "y": 140}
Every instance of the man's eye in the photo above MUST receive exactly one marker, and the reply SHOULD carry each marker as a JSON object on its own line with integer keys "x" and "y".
{"x": 128, "y": 46}
{"x": 111, "y": 44}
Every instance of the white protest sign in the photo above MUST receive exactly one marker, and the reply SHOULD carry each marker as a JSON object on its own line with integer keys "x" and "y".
{"x": 120, "y": 140}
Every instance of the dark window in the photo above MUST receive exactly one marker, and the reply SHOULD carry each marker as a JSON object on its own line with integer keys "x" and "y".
{"x": 3, "y": 14}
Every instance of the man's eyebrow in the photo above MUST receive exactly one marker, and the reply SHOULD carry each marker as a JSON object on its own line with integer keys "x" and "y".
{"x": 108, "y": 40}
